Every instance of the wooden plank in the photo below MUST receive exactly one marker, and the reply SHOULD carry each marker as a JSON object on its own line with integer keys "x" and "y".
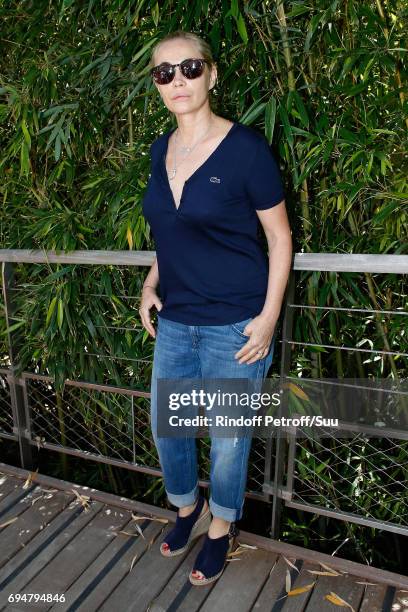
{"x": 8, "y": 484}
{"x": 33, "y": 558}
{"x": 240, "y": 584}
{"x": 96, "y": 583}
{"x": 400, "y": 601}
{"x": 102, "y": 496}
{"x": 298, "y": 603}
{"x": 345, "y": 586}
{"x": 145, "y": 581}
{"x": 17, "y": 502}
{"x": 78, "y": 553}
{"x": 83, "y": 257}
{"x": 373, "y": 598}
{"x": 45, "y": 507}
{"x": 371, "y": 574}
{"x": 342, "y": 262}
{"x": 179, "y": 594}
{"x": 274, "y": 587}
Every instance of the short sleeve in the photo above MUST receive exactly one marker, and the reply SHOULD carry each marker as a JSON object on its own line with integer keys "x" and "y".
{"x": 263, "y": 180}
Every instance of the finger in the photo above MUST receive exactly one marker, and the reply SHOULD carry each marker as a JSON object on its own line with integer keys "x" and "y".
{"x": 158, "y": 304}
{"x": 246, "y": 353}
{"x": 253, "y": 355}
{"x": 260, "y": 354}
{"x": 146, "y": 322}
{"x": 243, "y": 350}
{"x": 254, "y": 359}
{"x": 249, "y": 347}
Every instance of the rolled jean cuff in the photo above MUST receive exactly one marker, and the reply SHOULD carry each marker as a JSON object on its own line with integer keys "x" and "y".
{"x": 228, "y": 514}
{"x": 187, "y": 499}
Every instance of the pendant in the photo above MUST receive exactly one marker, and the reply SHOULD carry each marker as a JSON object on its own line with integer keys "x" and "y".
{"x": 186, "y": 149}
{"x": 171, "y": 174}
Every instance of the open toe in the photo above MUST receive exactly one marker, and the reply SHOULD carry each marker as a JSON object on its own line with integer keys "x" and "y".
{"x": 187, "y": 529}
{"x": 211, "y": 560}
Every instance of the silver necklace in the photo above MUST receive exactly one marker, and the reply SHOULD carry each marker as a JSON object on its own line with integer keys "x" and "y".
{"x": 183, "y": 148}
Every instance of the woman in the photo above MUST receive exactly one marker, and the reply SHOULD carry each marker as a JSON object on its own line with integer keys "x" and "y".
{"x": 212, "y": 181}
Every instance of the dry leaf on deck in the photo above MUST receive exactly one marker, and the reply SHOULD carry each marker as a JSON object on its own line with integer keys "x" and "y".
{"x": 330, "y": 569}
{"x": 323, "y": 573}
{"x": 30, "y": 478}
{"x": 83, "y": 499}
{"x": 133, "y": 560}
{"x": 149, "y": 518}
{"x": 139, "y": 530}
{"x": 288, "y": 582}
{"x": 36, "y": 499}
{"x": 9, "y": 521}
{"x": 302, "y": 589}
{"x": 291, "y": 564}
{"x": 338, "y": 601}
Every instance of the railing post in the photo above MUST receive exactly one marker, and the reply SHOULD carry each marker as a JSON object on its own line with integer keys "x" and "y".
{"x": 280, "y": 447}
{"x": 16, "y": 383}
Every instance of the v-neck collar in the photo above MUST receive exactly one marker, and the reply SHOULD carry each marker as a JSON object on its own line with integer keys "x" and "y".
{"x": 205, "y": 162}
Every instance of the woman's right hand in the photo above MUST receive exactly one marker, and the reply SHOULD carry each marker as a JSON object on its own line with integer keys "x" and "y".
{"x": 149, "y": 299}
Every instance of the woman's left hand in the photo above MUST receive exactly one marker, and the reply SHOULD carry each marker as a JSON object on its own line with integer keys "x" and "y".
{"x": 260, "y": 331}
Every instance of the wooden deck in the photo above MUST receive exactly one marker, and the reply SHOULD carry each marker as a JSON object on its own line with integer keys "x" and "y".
{"x": 91, "y": 551}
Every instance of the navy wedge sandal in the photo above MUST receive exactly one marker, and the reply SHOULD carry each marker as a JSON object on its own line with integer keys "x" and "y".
{"x": 187, "y": 529}
{"x": 212, "y": 558}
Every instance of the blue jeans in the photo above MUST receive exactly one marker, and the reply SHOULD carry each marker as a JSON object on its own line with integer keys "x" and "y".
{"x": 203, "y": 351}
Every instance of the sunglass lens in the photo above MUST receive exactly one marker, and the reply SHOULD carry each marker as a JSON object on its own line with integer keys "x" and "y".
{"x": 192, "y": 68}
{"x": 163, "y": 74}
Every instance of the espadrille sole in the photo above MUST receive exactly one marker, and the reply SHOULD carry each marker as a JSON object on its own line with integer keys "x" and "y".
{"x": 204, "y": 581}
{"x": 201, "y": 526}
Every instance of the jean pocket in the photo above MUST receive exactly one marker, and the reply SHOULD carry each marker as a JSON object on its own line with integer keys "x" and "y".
{"x": 239, "y": 327}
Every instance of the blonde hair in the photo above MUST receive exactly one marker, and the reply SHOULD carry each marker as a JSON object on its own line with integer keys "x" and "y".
{"x": 203, "y": 47}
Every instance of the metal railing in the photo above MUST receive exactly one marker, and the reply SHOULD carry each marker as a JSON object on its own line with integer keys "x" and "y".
{"x": 288, "y": 476}
{"x": 110, "y": 424}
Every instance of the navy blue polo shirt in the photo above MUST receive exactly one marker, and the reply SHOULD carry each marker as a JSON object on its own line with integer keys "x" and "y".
{"x": 212, "y": 267}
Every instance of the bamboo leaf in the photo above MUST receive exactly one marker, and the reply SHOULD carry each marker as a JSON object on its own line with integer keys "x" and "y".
{"x": 338, "y": 601}
{"x": 155, "y": 14}
{"x": 51, "y": 309}
{"x": 242, "y": 29}
{"x": 253, "y": 112}
{"x": 60, "y": 317}
{"x": 129, "y": 237}
{"x": 300, "y": 590}
{"x": 12, "y": 327}
{"x": 270, "y": 118}
{"x": 57, "y": 150}
{"x": 24, "y": 159}
{"x": 26, "y": 133}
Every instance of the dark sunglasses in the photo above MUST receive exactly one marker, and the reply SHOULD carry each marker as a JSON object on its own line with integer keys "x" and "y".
{"x": 190, "y": 68}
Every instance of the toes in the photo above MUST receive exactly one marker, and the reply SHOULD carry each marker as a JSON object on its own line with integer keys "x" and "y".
{"x": 197, "y": 574}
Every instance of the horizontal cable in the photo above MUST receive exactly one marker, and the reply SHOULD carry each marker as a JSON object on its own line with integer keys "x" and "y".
{"x": 349, "y": 310}
{"x": 346, "y": 348}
